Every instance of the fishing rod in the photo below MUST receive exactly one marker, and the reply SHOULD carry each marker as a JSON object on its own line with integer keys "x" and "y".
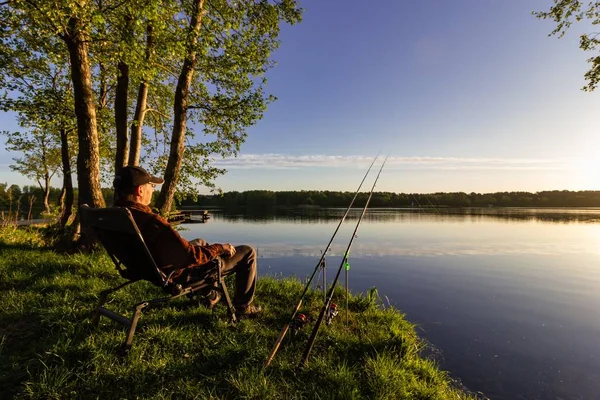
{"x": 320, "y": 264}
{"x": 324, "y": 269}
{"x": 327, "y": 305}
{"x": 346, "y": 270}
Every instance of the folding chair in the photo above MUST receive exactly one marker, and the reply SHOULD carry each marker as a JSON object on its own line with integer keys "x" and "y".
{"x": 119, "y": 235}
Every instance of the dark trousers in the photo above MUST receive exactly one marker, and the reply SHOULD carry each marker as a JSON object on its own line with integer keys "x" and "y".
{"x": 242, "y": 264}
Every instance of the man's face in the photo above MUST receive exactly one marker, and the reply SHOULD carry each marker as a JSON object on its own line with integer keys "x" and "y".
{"x": 146, "y": 195}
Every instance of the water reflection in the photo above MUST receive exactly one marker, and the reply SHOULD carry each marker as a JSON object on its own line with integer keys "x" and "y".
{"x": 386, "y": 215}
{"x": 509, "y": 296}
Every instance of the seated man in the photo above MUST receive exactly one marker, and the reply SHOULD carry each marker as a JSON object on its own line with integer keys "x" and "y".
{"x": 134, "y": 187}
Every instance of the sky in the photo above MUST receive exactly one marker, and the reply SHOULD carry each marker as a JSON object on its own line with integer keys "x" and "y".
{"x": 463, "y": 95}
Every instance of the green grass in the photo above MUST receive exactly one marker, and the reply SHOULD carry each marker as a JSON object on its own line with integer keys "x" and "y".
{"x": 49, "y": 351}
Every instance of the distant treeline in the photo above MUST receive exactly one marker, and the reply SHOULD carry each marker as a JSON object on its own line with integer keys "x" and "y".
{"x": 268, "y": 199}
{"x": 26, "y": 201}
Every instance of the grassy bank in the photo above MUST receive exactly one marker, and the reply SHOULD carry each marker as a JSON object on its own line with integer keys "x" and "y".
{"x": 184, "y": 350}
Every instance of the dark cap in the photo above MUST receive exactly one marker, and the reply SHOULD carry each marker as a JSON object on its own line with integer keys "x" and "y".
{"x": 130, "y": 177}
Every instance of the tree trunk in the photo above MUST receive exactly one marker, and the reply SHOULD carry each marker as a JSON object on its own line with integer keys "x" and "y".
{"x": 31, "y": 200}
{"x": 88, "y": 158}
{"x": 67, "y": 197}
{"x": 46, "y": 186}
{"x": 140, "y": 108}
{"x": 165, "y": 198}
{"x": 61, "y": 199}
{"x": 47, "y": 192}
{"x": 136, "y": 125}
{"x": 121, "y": 115}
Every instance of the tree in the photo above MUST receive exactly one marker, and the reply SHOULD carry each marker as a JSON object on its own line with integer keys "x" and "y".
{"x": 128, "y": 52}
{"x": 41, "y": 158}
{"x": 227, "y": 51}
{"x": 76, "y": 36}
{"x": 42, "y": 101}
{"x": 564, "y": 13}
{"x": 180, "y": 108}
{"x": 35, "y": 29}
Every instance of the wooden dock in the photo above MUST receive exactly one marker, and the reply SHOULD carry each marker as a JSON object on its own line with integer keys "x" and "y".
{"x": 188, "y": 218}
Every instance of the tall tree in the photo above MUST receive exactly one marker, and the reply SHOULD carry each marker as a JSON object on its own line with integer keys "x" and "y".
{"x": 564, "y": 13}
{"x": 227, "y": 48}
{"x": 29, "y": 26}
{"x": 180, "y": 109}
{"x": 42, "y": 101}
{"x": 137, "y": 123}
{"x": 76, "y": 37}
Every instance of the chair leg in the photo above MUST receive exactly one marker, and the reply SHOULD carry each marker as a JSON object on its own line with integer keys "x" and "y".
{"x": 223, "y": 287}
{"x": 230, "y": 307}
{"x": 131, "y": 331}
{"x": 103, "y": 297}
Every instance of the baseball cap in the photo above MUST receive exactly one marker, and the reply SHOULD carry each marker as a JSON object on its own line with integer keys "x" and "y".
{"x": 132, "y": 176}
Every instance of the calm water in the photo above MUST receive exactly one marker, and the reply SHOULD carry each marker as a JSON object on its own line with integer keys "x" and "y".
{"x": 510, "y": 297}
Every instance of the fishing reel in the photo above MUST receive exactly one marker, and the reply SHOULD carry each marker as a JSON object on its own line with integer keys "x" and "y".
{"x": 331, "y": 313}
{"x": 299, "y": 321}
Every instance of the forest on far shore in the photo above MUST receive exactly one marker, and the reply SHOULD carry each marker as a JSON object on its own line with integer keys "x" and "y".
{"x": 268, "y": 199}
{"x": 26, "y": 201}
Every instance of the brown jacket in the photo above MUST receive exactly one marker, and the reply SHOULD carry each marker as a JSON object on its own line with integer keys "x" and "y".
{"x": 169, "y": 250}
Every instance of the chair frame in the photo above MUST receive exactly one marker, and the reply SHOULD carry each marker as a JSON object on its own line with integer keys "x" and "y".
{"x": 104, "y": 221}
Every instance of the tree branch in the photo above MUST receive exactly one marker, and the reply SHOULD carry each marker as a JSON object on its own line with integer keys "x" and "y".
{"x": 164, "y": 68}
{"x": 153, "y": 110}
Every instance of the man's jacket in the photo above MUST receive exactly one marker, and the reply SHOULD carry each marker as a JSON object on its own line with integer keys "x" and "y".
{"x": 170, "y": 251}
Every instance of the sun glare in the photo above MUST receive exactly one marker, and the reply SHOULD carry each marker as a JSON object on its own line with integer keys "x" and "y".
{"x": 591, "y": 173}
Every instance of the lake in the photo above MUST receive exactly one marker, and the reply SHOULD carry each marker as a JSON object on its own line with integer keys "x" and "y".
{"x": 509, "y": 298}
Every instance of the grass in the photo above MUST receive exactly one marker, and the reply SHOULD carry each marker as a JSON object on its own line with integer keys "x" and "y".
{"x": 182, "y": 350}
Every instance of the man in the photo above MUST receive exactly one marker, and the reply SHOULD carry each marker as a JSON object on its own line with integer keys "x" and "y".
{"x": 134, "y": 187}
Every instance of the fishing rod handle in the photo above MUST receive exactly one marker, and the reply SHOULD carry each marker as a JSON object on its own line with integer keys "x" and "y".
{"x": 313, "y": 336}
{"x": 277, "y": 344}
{"x": 284, "y": 331}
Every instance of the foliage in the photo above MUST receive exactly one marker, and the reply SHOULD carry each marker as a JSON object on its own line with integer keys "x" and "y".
{"x": 564, "y": 13}
{"x": 34, "y": 83}
{"x": 182, "y": 350}
{"x": 134, "y": 45}
{"x": 221, "y": 87}
{"x": 41, "y": 154}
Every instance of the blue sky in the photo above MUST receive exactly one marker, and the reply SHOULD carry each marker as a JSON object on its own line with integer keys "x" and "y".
{"x": 464, "y": 95}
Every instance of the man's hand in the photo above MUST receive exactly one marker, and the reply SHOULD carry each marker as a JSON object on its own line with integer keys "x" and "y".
{"x": 199, "y": 242}
{"x": 229, "y": 249}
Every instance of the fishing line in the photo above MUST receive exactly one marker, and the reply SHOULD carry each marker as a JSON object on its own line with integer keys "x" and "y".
{"x": 320, "y": 264}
